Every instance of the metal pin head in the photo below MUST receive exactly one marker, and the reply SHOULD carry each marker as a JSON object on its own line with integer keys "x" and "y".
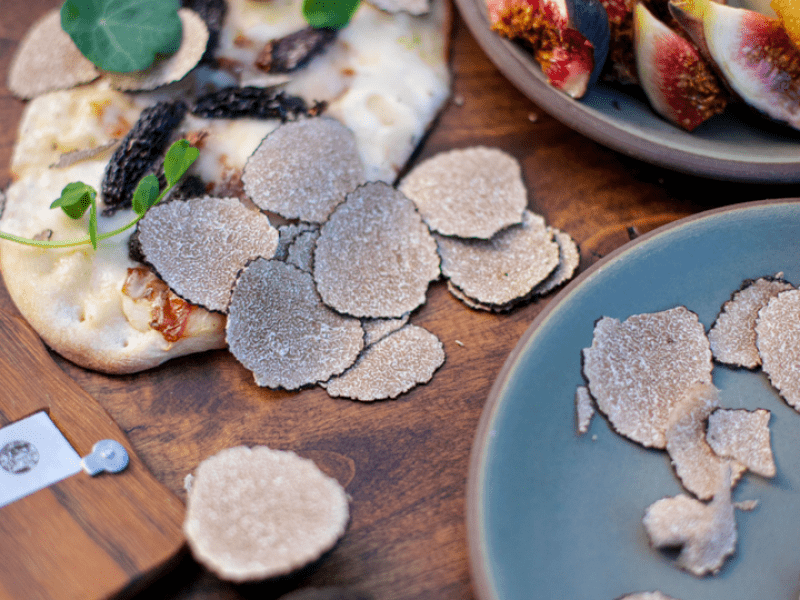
{"x": 106, "y": 456}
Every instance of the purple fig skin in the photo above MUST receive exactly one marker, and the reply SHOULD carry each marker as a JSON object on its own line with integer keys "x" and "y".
{"x": 677, "y": 81}
{"x": 752, "y": 53}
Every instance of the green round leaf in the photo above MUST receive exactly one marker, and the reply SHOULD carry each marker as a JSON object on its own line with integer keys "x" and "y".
{"x": 179, "y": 158}
{"x": 145, "y": 195}
{"x": 329, "y": 14}
{"x": 122, "y": 35}
{"x": 75, "y": 198}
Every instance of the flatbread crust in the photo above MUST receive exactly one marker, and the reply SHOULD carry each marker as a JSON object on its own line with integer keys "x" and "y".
{"x": 74, "y": 298}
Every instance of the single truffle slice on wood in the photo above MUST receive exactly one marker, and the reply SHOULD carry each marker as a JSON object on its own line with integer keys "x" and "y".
{"x": 47, "y": 59}
{"x": 733, "y": 335}
{"x": 391, "y": 366}
{"x": 584, "y": 409}
{"x": 304, "y": 168}
{"x": 778, "y": 343}
{"x": 639, "y": 369}
{"x": 698, "y": 467}
{"x": 706, "y": 533}
{"x": 280, "y": 330}
{"x": 469, "y": 193}
{"x": 504, "y": 270}
{"x": 198, "y": 246}
{"x": 743, "y": 436}
{"x": 375, "y": 329}
{"x": 569, "y": 258}
{"x": 257, "y": 513}
{"x": 374, "y": 256}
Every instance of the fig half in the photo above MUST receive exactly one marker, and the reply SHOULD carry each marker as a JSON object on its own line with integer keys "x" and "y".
{"x": 568, "y": 38}
{"x": 752, "y": 52}
{"x": 678, "y": 82}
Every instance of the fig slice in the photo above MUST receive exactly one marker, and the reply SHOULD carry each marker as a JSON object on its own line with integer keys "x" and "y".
{"x": 752, "y": 52}
{"x": 568, "y": 38}
{"x": 680, "y": 85}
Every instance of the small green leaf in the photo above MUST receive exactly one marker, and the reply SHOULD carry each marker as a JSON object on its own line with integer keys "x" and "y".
{"x": 179, "y": 158}
{"x": 75, "y": 198}
{"x": 145, "y": 195}
{"x": 122, "y": 35}
{"x": 93, "y": 225}
{"x": 329, "y": 14}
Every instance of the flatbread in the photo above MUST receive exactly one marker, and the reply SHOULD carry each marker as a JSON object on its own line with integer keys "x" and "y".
{"x": 381, "y": 86}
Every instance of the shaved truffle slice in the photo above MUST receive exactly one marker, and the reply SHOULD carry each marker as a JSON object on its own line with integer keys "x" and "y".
{"x": 170, "y": 68}
{"x": 374, "y": 256}
{"x": 504, "y": 270}
{"x": 778, "y": 343}
{"x": 698, "y": 467}
{"x": 301, "y": 251}
{"x": 279, "y": 329}
{"x": 706, "y": 533}
{"x": 733, "y": 335}
{"x": 647, "y": 596}
{"x": 288, "y": 233}
{"x": 257, "y": 513}
{"x": 569, "y": 258}
{"x": 639, "y": 369}
{"x": 393, "y": 365}
{"x": 375, "y": 329}
{"x": 743, "y": 436}
{"x": 304, "y": 168}
{"x": 47, "y": 59}
{"x": 584, "y": 408}
{"x": 294, "y": 51}
{"x": 469, "y": 193}
{"x": 198, "y": 246}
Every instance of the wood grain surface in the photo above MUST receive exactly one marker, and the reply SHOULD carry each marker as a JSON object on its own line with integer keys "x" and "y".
{"x": 403, "y": 462}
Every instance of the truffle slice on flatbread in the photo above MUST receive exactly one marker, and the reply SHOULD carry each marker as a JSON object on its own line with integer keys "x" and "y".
{"x": 47, "y": 59}
{"x": 706, "y": 533}
{"x": 743, "y": 436}
{"x": 304, "y": 168}
{"x": 698, "y": 467}
{"x": 198, "y": 246}
{"x": 173, "y": 67}
{"x": 257, "y": 513}
{"x": 468, "y": 193}
{"x": 391, "y": 366}
{"x": 733, "y": 336}
{"x": 639, "y": 369}
{"x": 279, "y": 329}
{"x": 301, "y": 250}
{"x": 288, "y": 233}
{"x": 778, "y": 343}
{"x": 374, "y": 256}
{"x": 503, "y": 270}
{"x": 584, "y": 409}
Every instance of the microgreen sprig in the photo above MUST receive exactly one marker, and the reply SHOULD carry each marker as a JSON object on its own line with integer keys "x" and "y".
{"x": 329, "y": 14}
{"x": 78, "y": 197}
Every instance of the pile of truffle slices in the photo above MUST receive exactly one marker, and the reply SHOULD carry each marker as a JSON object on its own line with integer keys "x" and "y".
{"x": 326, "y": 297}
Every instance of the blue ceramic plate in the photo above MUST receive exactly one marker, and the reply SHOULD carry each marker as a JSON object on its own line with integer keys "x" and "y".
{"x": 557, "y": 516}
{"x": 735, "y": 146}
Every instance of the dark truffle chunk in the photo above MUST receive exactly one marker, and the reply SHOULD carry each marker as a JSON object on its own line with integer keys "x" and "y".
{"x": 255, "y": 102}
{"x": 138, "y": 152}
{"x": 294, "y": 51}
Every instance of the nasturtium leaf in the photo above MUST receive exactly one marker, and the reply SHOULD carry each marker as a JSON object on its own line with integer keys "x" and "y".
{"x": 123, "y": 35}
{"x": 145, "y": 195}
{"x": 329, "y": 14}
{"x": 180, "y": 157}
{"x": 75, "y": 198}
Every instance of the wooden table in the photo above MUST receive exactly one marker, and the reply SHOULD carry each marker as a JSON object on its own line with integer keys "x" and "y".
{"x": 403, "y": 462}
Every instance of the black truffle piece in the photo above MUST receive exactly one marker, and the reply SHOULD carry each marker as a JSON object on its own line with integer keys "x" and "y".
{"x": 256, "y": 102}
{"x": 213, "y": 13}
{"x": 138, "y": 152}
{"x": 294, "y": 51}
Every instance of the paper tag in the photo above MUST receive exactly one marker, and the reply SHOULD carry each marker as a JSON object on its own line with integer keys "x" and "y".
{"x": 33, "y": 455}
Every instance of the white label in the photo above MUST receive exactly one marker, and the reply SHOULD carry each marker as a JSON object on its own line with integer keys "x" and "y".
{"x": 33, "y": 455}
